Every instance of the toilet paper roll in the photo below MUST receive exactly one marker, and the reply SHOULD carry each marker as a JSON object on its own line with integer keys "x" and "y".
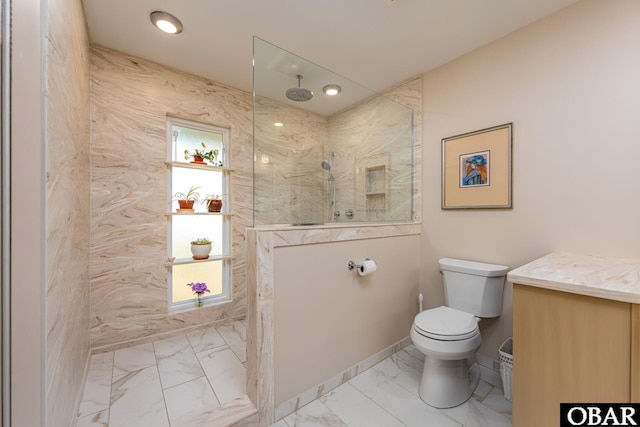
{"x": 368, "y": 266}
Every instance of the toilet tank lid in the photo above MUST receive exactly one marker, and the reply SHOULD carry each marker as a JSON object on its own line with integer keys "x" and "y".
{"x": 472, "y": 267}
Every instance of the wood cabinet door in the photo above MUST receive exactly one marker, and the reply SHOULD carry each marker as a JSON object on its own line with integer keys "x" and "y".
{"x": 567, "y": 348}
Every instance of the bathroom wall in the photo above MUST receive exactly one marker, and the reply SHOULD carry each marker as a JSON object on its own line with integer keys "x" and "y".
{"x": 569, "y": 83}
{"x": 50, "y": 211}
{"x": 67, "y": 204}
{"x": 27, "y": 187}
{"x": 290, "y": 185}
{"x": 312, "y": 318}
{"x": 409, "y": 93}
{"x": 130, "y": 99}
{"x": 375, "y": 132}
{"x": 328, "y": 317}
{"x": 366, "y": 134}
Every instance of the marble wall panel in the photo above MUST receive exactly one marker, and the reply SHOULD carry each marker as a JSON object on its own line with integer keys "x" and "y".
{"x": 67, "y": 209}
{"x": 291, "y": 186}
{"x": 409, "y": 93}
{"x": 374, "y": 132}
{"x": 130, "y": 100}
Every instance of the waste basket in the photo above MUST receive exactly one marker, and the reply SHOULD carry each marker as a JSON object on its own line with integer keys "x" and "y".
{"x": 506, "y": 367}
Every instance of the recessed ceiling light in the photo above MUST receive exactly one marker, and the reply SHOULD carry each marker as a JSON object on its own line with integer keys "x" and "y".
{"x": 278, "y": 124}
{"x": 332, "y": 89}
{"x": 166, "y": 22}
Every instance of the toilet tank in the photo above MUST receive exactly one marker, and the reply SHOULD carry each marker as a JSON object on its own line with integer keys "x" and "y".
{"x": 473, "y": 287}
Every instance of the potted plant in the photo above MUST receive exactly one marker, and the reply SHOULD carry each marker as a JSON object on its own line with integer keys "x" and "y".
{"x": 186, "y": 200}
{"x": 200, "y": 248}
{"x": 199, "y": 156}
{"x": 198, "y": 289}
{"x": 213, "y": 202}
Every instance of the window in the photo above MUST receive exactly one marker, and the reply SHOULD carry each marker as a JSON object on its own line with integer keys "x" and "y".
{"x": 206, "y": 179}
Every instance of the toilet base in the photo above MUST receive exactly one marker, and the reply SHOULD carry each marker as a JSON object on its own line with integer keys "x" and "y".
{"x": 448, "y": 383}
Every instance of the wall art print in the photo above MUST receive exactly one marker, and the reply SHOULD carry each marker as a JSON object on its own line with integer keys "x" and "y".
{"x": 476, "y": 169}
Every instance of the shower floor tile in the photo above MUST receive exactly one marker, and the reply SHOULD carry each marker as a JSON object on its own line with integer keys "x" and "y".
{"x": 171, "y": 380}
{"x": 162, "y": 383}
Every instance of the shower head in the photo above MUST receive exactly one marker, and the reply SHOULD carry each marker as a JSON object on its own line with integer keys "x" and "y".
{"x": 326, "y": 166}
{"x": 299, "y": 94}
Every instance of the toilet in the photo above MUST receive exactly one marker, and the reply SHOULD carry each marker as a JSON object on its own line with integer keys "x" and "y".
{"x": 449, "y": 335}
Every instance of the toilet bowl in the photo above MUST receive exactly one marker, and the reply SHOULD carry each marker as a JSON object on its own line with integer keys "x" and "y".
{"x": 449, "y": 339}
{"x": 449, "y": 335}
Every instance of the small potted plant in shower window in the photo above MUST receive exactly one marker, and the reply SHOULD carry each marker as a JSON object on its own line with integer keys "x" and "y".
{"x": 213, "y": 202}
{"x": 186, "y": 200}
{"x": 200, "y": 155}
{"x": 201, "y": 248}
{"x": 198, "y": 288}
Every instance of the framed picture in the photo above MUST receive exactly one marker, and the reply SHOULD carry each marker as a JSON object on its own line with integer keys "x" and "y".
{"x": 476, "y": 169}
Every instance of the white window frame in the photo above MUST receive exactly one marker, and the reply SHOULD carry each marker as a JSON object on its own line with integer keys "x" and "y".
{"x": 175, "y": 159}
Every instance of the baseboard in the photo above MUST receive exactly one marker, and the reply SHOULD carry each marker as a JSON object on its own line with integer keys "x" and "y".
{"x": 313, "y": 393}
{"x": 159, "y": 336}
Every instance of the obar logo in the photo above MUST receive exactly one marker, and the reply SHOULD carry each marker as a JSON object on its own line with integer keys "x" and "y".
{"x": 599, "y": 414}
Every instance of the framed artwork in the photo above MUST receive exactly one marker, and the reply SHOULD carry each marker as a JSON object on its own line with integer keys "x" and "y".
{"x": 476, "y": 169}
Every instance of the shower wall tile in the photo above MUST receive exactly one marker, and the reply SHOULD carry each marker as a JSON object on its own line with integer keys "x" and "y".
{"x": 66, "y": 217}
{"x": 130, "y": 100}
{"x": 409, "y": 94}
{"x": 291, "y": 187}
{"x": 290, "y": 184}
{"x": 356, "y": 137}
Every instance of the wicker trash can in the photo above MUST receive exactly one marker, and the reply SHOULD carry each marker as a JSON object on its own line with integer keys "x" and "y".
{"x": 506, "y": 367}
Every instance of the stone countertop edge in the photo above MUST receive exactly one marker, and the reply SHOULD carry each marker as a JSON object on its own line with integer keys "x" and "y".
{"x": 613, "y": 278}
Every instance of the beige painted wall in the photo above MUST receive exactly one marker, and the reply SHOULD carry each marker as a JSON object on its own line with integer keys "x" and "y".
{"x": 27, "y": 187}
{"x": 50, "y": 263}
{"x": 67, "y": 209}
{"x": 569, "y": 83}
{"x": 130, "y": 99}
{"x": 327, "y": 318}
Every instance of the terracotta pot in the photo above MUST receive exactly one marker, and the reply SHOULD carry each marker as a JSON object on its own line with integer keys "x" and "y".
{"x": 199, "y": 160}
{"x": 200, "y": 251}
{"x": 214, "y": 205}
{"x": 186, "y": 204}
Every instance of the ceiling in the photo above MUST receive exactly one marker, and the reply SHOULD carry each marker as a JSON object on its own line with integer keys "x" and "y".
{"x": 376, "y": 43}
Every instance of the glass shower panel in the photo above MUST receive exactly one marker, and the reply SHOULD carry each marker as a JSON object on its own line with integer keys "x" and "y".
{"x": 343, "y": 158}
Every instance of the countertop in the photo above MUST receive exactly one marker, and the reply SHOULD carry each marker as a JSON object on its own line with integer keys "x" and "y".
{"x": 611, "y": 278}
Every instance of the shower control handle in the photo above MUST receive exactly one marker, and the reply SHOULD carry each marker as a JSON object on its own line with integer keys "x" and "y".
{"x": 349, "y": 213}
{"x": 336, "y": 213}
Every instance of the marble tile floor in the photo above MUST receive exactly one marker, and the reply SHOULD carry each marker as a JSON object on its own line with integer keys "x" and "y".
{"x": 162, "y": 384}
{"x": 386, "y": 395}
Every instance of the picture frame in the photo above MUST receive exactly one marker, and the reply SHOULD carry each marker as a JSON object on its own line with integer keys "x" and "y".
{"x": 477, "y": 169}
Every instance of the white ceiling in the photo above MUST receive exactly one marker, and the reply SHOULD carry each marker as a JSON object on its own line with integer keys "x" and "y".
{"x": 376, "y": 43}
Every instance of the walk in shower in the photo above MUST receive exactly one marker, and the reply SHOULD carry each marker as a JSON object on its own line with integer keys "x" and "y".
{"x": 321, "y": 158}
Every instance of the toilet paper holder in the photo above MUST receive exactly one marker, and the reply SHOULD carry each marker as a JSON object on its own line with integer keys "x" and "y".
{"x": 352, "y": 264}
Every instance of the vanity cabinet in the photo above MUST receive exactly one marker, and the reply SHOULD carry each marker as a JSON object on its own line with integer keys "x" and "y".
{"x": 573, "y": 342}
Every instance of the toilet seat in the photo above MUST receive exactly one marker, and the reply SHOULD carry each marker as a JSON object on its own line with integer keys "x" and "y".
{"x": 446, "y": 324}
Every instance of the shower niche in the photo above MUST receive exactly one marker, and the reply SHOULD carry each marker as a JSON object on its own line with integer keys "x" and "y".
{"x": 369, "y": 138}
{"x": 375, "y": 189}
